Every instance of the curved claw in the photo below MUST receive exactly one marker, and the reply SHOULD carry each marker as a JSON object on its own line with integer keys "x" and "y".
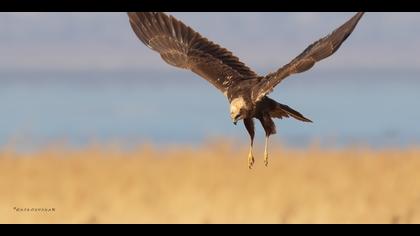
{"x": 266, "y": 151}
{"x": 250, "y": 159}
{"x": 266, "y": 158}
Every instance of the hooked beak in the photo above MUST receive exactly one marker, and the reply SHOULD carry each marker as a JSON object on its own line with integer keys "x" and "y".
{"x": 235, "y": 120}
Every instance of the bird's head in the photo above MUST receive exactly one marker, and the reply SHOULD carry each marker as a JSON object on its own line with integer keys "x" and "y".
{"x": 237, "y": 109}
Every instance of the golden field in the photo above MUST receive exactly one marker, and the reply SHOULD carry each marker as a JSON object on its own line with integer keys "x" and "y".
{"x": 210, "y": 184}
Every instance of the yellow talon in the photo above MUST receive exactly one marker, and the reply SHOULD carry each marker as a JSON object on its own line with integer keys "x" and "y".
{"x": 266, "y": 158}
{"x": 250, "y": 159}
{"x": 266, "y": 151}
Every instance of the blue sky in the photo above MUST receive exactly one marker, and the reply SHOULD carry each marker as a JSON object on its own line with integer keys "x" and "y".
{"x": 100, "y": 79}
{"x": 264, "y": 41}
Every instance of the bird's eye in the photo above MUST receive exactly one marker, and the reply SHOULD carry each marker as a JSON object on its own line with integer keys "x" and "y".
{"x": 237, "y": 116}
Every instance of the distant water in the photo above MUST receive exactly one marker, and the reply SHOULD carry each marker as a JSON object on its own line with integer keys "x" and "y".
{"x": 175, "y": 107}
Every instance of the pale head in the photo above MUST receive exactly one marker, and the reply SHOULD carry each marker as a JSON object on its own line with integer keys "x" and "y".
{"x": 236, "y": 109}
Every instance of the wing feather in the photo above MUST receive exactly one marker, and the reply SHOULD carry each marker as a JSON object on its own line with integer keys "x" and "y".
{"x": 315, "y": 52}
{"x": 179, "y": 45}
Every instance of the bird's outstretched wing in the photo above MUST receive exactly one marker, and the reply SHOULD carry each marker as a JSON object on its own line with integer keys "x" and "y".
{"x": 181, "y": 46}
{"x": 315, "y": 52}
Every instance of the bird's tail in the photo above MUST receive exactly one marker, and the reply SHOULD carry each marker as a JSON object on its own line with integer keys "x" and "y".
{"x": 281, "y": 111}
{"x": 293, "y": 113}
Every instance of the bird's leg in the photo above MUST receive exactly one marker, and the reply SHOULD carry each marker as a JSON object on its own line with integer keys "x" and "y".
{"x": 266, "y": 151}
{"x": 269, "y": 128}
{"x": 249, "y": 125}
{"x": 250, "y": 156}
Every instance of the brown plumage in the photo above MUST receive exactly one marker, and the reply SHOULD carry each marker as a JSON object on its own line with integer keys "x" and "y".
{"x": 182, "y": 47}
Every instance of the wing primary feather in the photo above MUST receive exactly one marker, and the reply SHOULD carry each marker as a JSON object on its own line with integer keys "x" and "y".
{"x": 315, "y": 52}
{"x": 179, "y": 45}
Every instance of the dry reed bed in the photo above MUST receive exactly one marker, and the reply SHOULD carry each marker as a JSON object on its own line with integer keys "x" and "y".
{"x": 210, "y": 184}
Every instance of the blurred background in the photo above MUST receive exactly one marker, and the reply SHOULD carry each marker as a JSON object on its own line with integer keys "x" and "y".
{"x": 96, "y": 128}
{"x": 85, "y": 77}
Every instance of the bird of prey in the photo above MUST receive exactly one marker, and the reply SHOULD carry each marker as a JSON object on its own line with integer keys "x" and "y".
{"x": 180, "y": 46}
